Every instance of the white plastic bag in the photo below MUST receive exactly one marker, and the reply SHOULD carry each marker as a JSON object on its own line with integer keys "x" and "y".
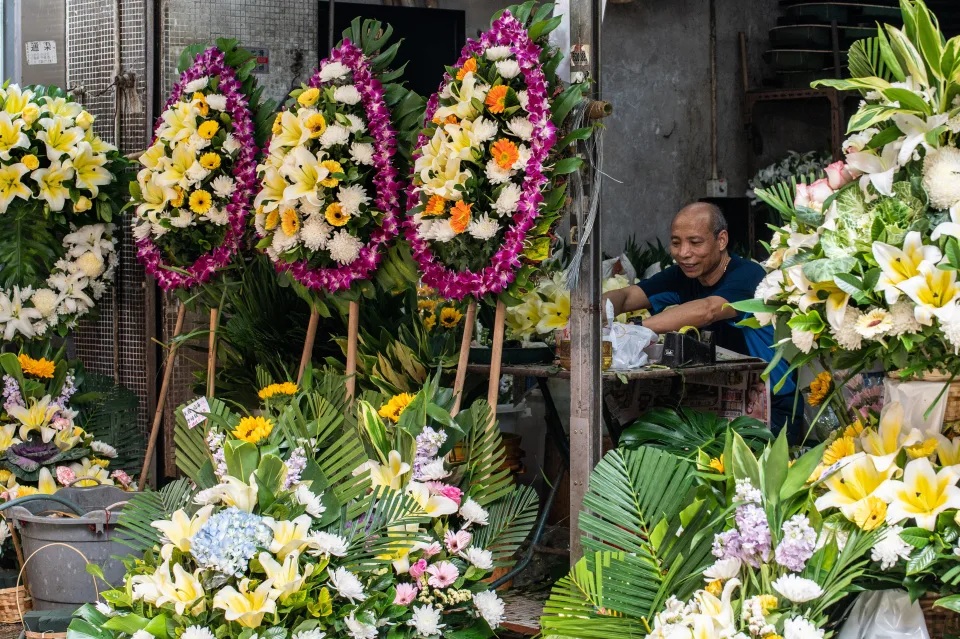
{"x": 627, "y": 342}
{"x": 884, "y": 614}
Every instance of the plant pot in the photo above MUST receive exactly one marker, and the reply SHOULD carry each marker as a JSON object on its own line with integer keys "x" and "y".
{"x": 56, "y": 549}
{"x": 941, "y": 623}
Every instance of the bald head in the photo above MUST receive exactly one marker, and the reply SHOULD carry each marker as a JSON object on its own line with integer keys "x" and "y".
{"x": 706, "y": 213}
{"x": 698, "y": 239}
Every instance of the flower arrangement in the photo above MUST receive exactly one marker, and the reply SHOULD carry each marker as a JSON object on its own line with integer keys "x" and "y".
{"x": 329, "y": 199}
{"x": 794, "y": 164}
{"x": 198, "y": 177}
{"x": 865, "y": 267}
{"x": 486, "y": 178}
{"x": 60, "y": 190}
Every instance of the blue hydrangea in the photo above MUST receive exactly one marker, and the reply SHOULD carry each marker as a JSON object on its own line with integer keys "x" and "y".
{"x": 229, "y": 540}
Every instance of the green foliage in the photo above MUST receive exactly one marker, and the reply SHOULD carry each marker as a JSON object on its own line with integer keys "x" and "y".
{"x": 684, "y": 432}
{"x": 144, "y": 508}
{"x": 108, "y": 411}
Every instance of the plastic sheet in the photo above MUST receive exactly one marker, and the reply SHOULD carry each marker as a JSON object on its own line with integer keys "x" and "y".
{"x": 884, "y": 614}
{"x": 917, "y": 398}
{"x": 628, "y": 342}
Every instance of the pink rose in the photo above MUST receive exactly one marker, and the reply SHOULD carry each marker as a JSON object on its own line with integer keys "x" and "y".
{"x": 442, "y": 574}
{"x": 417, "y": 569}
{"x": 838, "y": 175}
{"x": 457, "y": 541}
{"x": 819, "y": 192}
{"x": 406, "y": 593}
{"x": 452, "y": 492}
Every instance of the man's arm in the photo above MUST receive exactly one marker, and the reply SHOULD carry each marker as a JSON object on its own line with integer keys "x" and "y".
{"x": 625, "y": 300}
{"x": 698, "y": 313}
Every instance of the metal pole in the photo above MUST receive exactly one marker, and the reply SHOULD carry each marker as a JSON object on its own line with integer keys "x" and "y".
{"x": 331, "y": 30}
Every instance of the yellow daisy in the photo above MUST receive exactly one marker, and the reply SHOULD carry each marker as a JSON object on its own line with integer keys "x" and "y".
{"x": 335, "y": 215}
{"x": 290, "y": 222}
{"x": 210, "y": 161}
{"x": 208, "y": 129}
{"x": 309, "y": 97}
{"x": 253, "y": 429}
{"x": 200, "y": 201}
{"x": 334, "y": 167}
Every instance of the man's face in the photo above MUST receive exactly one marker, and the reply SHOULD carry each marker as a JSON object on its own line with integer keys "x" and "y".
{"x": 693, "y": 245}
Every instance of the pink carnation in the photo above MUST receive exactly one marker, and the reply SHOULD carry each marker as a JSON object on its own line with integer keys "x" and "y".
{"x": 457, "y": 541}
{"x": 65, "y": 476}
{"x": 442, "y": 574}
{"x": 406, "y": 593}
{"x": 122, "y": 477}
{"x": 417, "y": 569}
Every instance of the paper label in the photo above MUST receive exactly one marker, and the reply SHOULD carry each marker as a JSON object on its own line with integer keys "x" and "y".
{"x": 195, "y": 412}
{"x": 41, "y": 52}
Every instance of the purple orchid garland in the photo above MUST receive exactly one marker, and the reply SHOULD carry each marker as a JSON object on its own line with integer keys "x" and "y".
{"x": 212, "y": 63}
{"x": 386, "y": 179}
{"x": 500, "y": 273}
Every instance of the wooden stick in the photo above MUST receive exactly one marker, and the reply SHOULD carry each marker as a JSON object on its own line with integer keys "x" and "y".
{"x": 353, "y": 327}
{"x": 161, "y": 398}
{"x": 308, "y": 343}
{"x": 468, "y": 324}
{"x": 212, "y": 355}
{"x": 496, "y": 356}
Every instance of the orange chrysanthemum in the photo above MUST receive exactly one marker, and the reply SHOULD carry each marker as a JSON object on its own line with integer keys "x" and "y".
{"x": 436, "y": 205}
{"x": 504, "y": 153}
{"x": 470, "y": 66}
{"x": 460, "y": 217}
{"x": 497, "y": 99}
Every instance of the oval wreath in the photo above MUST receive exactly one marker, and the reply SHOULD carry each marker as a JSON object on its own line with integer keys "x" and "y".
{"x": 198, "y": 176}
{"x": 479, "y": 167}
{"x": 333, "y": 142}
{"x": 58, "y": 195}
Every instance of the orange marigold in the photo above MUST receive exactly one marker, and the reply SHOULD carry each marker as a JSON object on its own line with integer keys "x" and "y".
{"x": 497, "y": 99}
{"x": 436, "y": 205}
{"x": 460, "y": 217}
{"x": 504, "y": 153}
{"x": 470, "y": 66}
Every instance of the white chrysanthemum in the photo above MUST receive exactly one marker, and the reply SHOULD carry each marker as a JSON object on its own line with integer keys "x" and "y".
{"x": 803, "y": 340}
{"x": 334, "y": 135}
{"x": 357, "y": 125}
{"x": 473, "y": 513}
{"x": 362, "y": 153}
{"x": 359, "y": 629}
{"x": 140, "y": 230}
{"x": 45, "y": 301}
{"x": 723, "y": 569}
{"x": 315, "y": 233}
{"x": 497, "y": 53}
{"x": 484, "y": 130}
{"x": 797, "y": 589}
{"x": 217, "y": 102}
{"x": 521, "y": 127}
{"x": 490, "y": 607}
{"x": 196, "y": 173}
{"x": 941, "y": 177}
{"x": 197, "y": 632}
{"x": 949, "y": 318}
{"x": 891, "y": 548}
{"x": 351, "y": 198}
{"x": 847, "y": 335}
{"x": 442, "y": 232}
{"x": 103, "y": 449}
{"x": 324, "y": 543}
{"x": 875, "y": 323}
{"x": 333, "y": 71}
{"x": 311, "y": 502}
{"x": 508, "y": 199}
{"x": 197, "y": 143}
{"x": 426, "y": 620}
{"x": 771, "y": 286}
{"x": 508, "y": 69}
{"x": 142, "y": 634}
{"x": 344, "y": 248}
{"x": 482, "y": 559}
{"x": 801, "y": 628}
{"x": 230, "y": 144}
{"x": 524, "y": 99}
{"x": 495, "y": 174}
{"x": 346, "y": 94}
{"x": 183, "y": 220}
{"x": 483, "y": 228}
{"x": 283, "y": 242}
{"x": 218, "y": 216}
{"x": 316, "y": 633}
{"x": 196, "y": 85}
{"x": 223, "y": 186}
{"x": 433, "y": 471}
{"x": 347, "y": 585}
{"x": 903, "y": 319}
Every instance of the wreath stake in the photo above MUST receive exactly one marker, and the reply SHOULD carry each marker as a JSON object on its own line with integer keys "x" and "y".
{"x": 470, "y": 321}
{"x": 353, "y": 327}
{"x": 212, "y": 354}
{"x": 496, "y": 357}
{"x": 308, "y": 343}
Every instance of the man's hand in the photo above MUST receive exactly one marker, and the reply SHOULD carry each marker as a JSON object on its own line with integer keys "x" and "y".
{"x": 698, "y": 313}
{"x": 625, "y": 300}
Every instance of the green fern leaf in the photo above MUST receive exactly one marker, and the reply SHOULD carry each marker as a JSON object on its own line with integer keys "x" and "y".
{"x": 147, "y": 507}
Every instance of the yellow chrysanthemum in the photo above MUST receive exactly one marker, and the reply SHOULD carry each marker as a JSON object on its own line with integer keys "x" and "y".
{"x": 178, "y": 195}
{"x": 820, "y": 388}
{"x": 290, "y": 222}
{"x": 30, "y": 161}
{"x": 210, "y": 161}
{"x": 316, "y": 124}
{"x": 436, "y": 205}
{"x": 26, "y": 491}
{"x": 285, "y": 388}
{"x": 715, "y": 587}
{"x": 309, "y": 97}
{"x": 717, "y": 464}
{"x": 200, "y": 201}
{"x": 842, "y": 447}
{"x": 98, "y": 461}
{"x": 253, "y": 429}
{"x": 923, "y": 449}
{"x": 394, "y": 408}
{"x": 335, "y": 215}
{"x": 273, "y": 218}
{"x": 208, "y": 129}
{"x": 200, "y": 101}
{"x": 854, "y": 429}
{"x": 426, "y": 291}
{"x": 767, "y": 603}
{"x": 430, "y": 321}
{"x": 42, "y": 368}
{"x": 870, "y": 513}
{"x": 334, "y": 167}
{"x": 450, "y": 317}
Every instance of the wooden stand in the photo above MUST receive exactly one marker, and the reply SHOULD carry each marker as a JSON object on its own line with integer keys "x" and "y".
{"x": 496, "y": 357}
{"x": 465, "y": 341}
{"x": 353, "y": 327}
{"x": 308, "y": 344}
{"x": 212, "y": 354}
{"x": 161, "y": 398}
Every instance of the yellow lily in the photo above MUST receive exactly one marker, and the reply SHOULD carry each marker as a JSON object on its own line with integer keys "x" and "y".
{"x": 11, "y": 184}
{"x": 35, "y": 416}
{"x": 15, "y": 99}
{"x": 185, "y": 592}
{"x": 7, "y": 439}
{"x": 272, "y": 187}
{"x": 67, "y": 438}
{"x": 153, "y": 197}
{"x": 12, "y": 136}
{"x": 948, "y": 451}
{"x": 809, "y": 293}
{"x": 244, "y": 607}
{"x": 932, "y": 289}
{"x": 460, "y": 141}
{"x": 289, "y": 536}
{"x": 97, "y": 143}
{"x": 292, "y": 132}
{"x": 45, "y": 483}
{"x": 179, "y": 122}
{"x": 89, "y": 169}
{"x": 885, "y": 442}
{"x": 176, "y": 166}
{"x": 150, "y": 158}
{"x": 286, "y": 577}
{"x": 180, "y": 528}
{"x": 50, "y": 182}
{"x": 389, "y": 474}
{"x": 432, "y": 505}
{"x": 59, "y": 137}
{"x": 554, "y": 315}
{"x": 852, "y": 484}
{"x": 899, "y": 265}
{"x": 147, "y": 587}
{"x": 305, "y": 173}
{"x": 90, "y": 473}
{"x": 62, "y": 108}
{"x": 522, "y": 319}
{"x": 718, "y": 611}
{"x": 469, "y": 91}
{"x": 923, "y": 494}
{"x": 445, "y": 179}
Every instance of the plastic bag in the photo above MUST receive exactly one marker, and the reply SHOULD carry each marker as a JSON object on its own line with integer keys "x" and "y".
{"x": 618, "y": 266}
{"x": 884, "y": 614}
{"x": 627, "y": 342}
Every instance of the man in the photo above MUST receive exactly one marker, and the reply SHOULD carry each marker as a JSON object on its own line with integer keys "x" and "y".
{"x": 697, "y": 291}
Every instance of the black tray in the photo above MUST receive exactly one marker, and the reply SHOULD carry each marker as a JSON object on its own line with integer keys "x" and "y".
{"x": 536, "y": 355}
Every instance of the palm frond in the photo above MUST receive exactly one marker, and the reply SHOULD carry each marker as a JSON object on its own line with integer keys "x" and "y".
{"x": 192, "y": 455}
{"x": 485, "y": 472}
{"x": 391, "y": 522}
{"x": 866, "y": 60}
{"x": 511, "y": 519}
{"x": 108, "y": 412}
{"x": 683, "y": 432}
{"x": 147, "y": 507}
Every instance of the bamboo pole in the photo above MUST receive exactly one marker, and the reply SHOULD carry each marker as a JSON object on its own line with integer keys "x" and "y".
{"x": 308, "y": 343}
{"x": 468, "y": 323}
{"x": 353, "y": 328}
{"x": 212, "y": 354}
{"x": 161, "y": 398}
{"x": 496, "y": 356}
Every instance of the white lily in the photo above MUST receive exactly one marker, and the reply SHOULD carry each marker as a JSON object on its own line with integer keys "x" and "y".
{"x": 45, "y": 482}
{"x": 389, "y": 474}
{"x": 951, "y": 228}
{"x": 245, "y": 607}
{"x": 898, "y": 265}
{"x": 948, "y": 451}
{"x": 305, "y": 173}
{"x": 915, "y": 129}
{"x": 185, "y": 592}
{"x": 884, "y": 443}
{"x": 272, "y": 187}
{"x": 286, "y": 577}
{"x": 923, "y": 494}
{"x": 433, "y": 505}
{"x": 932, "y": 289}
{"x": 876, "y": 169}
{"x": 289, "y": 536}
{"x": 175, "y": 167}
{"x": 180, "y": 528}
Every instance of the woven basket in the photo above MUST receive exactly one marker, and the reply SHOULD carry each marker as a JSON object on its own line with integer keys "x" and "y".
{"x": 941, "y": 623}
{"x": 9, "y": 611}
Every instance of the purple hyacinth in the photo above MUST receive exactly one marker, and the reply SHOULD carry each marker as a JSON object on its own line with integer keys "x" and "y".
{"x": 295, "y": 466}
{"x": 67, "y": 391}
{"x": 429, "y": 442}
{"x": 727, "y": 545}
{"x": 755, "y": 538}
{"x": 797, "y": 545}
{"x": 11, "y": 393}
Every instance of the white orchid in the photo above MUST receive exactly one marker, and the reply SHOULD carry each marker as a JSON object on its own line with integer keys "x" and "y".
{"x": 877, "y": 170}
